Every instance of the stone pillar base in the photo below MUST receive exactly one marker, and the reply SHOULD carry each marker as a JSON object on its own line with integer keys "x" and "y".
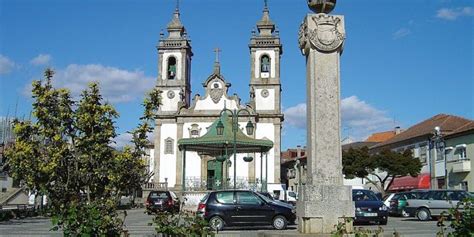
{"x": 321, "y": 207}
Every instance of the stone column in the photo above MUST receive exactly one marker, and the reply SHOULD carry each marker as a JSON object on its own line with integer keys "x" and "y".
{"x": 324, "y": 200}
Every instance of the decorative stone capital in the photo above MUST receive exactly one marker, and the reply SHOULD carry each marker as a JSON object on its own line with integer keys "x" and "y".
{"x": 321, "y": 32}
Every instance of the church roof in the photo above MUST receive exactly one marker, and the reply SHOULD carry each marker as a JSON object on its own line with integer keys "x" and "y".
{"x": 213, "y": 144}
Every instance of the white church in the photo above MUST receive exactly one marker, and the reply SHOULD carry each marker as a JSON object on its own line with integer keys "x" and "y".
{"x": 183, "y": 116}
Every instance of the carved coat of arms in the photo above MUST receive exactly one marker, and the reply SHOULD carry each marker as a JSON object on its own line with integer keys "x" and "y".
{"x": 216, "y": 94}
{"x": 326, "y": 36}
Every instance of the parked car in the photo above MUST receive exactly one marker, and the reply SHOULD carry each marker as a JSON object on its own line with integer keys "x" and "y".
{"x": 244, "y": 207}
{"x": 369, "y": 208}
{"x": 398, "y": 202}
{"x": 434, "y": 202}
{"x": 162, "y": 201}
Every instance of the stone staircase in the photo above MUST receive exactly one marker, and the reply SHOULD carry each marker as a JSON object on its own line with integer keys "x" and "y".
{"x": 9, "y": 194}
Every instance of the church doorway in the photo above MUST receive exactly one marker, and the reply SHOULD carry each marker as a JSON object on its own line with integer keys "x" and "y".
{"x": 214, "y": 175}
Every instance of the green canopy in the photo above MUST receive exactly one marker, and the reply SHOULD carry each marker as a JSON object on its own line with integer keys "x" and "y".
{"x": 214, "y": 145}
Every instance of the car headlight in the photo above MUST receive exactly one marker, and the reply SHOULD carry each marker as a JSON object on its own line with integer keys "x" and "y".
{"x": 383, "y": 208}
{"x": 358, "y": 209}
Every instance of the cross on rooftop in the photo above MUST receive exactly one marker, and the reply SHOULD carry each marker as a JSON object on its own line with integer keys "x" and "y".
{"x": 217, "y": 51}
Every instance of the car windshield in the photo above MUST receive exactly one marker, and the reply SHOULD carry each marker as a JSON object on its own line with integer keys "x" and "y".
{"x": 292, "y": 194}
{"x": 160, "y": 195}
{"x": 363, "y": 195}
{"x": 264, "y": 197}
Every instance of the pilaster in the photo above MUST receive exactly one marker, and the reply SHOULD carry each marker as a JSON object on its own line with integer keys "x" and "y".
{"x": 179, "y": 159}
{"x": 157, "y": 150}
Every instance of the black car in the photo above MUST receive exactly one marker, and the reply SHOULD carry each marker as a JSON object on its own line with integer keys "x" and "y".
{"x": 244, "y": 207}
{"x": 162, "y": 201}
{"x": 369, "y": 208}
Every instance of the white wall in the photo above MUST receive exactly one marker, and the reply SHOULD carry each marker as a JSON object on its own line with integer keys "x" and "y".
{"x": 267, "y": 103}
{"x": 151, "y": 163}
{"x": 170, "y": 104}
{"x": 193, "y": 161}
{"x": 208, "y": 104}
{"x": 266, "y": 130}
{"x": 168, "y": 161}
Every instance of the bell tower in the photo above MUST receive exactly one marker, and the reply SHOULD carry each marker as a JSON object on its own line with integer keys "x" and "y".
{"x": 265, "y": 52}
{"x": 174, "y": 66}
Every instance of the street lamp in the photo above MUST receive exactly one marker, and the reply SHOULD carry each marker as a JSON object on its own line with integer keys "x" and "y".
{"x": 235, "y": 126}
{"x": 439, "y": 145}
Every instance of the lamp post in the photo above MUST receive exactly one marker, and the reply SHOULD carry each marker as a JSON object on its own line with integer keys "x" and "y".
{"x": 235, "y": 126}
{"x": 439, "y": 145}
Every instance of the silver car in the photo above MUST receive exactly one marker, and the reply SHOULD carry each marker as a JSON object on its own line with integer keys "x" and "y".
{"x": 432, "y": 203}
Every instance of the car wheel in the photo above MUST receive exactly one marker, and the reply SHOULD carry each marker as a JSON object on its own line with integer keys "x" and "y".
{"x": 423, "y": 214}
{"x": 405, "y": 214}
{"x": 216, "y": 223}
{"x": 280, "y": 222}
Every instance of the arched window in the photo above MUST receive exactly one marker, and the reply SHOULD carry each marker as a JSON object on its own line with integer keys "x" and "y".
{"x": 265, "y": 64}
{"x": 169, "y": 145}
{"x": 171, "y": 68}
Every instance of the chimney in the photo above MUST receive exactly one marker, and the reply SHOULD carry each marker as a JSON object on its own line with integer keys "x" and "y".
{"x": 398, "y": 130}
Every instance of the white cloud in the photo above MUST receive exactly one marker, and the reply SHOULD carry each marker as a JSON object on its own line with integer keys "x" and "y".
{"x": 401, "y": 33}
{"x": 452, "y": 14}
{"x": 41, "y": 59}
{"x": 296, "y": 115}
{"x": 6, "y": 65}
{"x": 122, "y": 140}
{"x": 358, "y": 118}
{"x": 125, "y": 139}
{"x": 116, "y": 85}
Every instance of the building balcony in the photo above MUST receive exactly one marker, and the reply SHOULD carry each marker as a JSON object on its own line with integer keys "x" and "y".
{"x": 461, "y": 165}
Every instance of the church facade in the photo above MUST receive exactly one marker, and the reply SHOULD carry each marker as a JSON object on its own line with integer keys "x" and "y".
{"x": 180, "y": 116}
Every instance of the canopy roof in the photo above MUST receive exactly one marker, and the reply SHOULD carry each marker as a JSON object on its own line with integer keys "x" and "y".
{"x": 214, "y": 145}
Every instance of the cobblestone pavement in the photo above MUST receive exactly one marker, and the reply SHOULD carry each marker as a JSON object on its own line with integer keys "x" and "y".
{"x": 137, "y": 224}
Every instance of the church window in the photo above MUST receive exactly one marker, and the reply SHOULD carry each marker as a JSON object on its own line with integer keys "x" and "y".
{"x": 169, "y": 145}
{"x": 171, "y": 68}
{"x": 194, "y": 131}
{"x": 265, "y": 63}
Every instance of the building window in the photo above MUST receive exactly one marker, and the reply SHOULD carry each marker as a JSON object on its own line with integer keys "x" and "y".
{"x": 169, "y": 145}
{"x": 423, "y": 154}
{"x": 441, "y": 183}
{"x": 461, "y": 152}
{"x": 194, "y": 131}
{"x": 439, "y": 153}
{"x": 265, "y": 64}
{"x": 464, "y": 185}
{"x": 171, "y": 68}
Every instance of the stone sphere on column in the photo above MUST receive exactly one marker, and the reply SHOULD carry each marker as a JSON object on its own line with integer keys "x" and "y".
{"x": 322, "y": 6}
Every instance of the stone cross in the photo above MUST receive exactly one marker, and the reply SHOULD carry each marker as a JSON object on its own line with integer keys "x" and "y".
{"x": 217, "y": 51}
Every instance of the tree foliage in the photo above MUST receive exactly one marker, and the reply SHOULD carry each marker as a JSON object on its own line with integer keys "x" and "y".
{"x": 67, "y": 155}
{"x": 379, "y": 169}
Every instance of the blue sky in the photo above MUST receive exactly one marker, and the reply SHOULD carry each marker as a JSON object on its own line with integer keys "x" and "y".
{"x": 403, "y": 62}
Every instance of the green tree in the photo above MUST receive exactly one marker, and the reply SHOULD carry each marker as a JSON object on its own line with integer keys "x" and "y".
{"x": 379, "y": 169}
{"x": 67, "y": 155}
